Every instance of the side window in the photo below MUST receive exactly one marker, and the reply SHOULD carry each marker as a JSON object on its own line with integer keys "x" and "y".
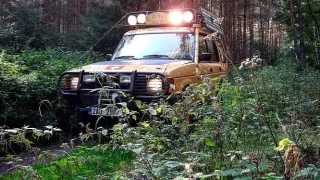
{"x": 212, "y": 47}
{"x": 208, "y": 46}
{"x": 202, "y": 45}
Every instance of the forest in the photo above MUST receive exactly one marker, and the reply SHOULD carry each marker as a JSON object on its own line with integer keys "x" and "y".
{"x": 263, "y": 122}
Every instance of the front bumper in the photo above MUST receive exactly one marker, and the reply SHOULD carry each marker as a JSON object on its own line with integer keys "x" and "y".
{"x": 84, "y": 97}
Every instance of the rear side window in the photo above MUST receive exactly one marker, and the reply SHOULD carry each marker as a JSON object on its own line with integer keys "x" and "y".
{"x": 208, "y": 46}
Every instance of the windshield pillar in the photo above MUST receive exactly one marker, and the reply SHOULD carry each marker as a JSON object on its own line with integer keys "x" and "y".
{"x": 196, "y": 54}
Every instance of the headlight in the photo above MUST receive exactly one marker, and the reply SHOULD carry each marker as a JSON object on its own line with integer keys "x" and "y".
{"x": 125, "y": 79}
{"x": 154, "y": 85}
{"x": 74, "y": 83}
{"x": 89, "y": 78}
{"x": 69, "y": 81}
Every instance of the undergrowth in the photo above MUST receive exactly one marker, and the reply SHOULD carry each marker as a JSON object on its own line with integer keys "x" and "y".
{"x": 28, "y": 85}
{"x": 84, "y": 163}
{"x": 261, "y": 124}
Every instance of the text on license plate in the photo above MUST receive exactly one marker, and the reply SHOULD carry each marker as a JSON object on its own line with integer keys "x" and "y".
{"x": 109, "y": 111}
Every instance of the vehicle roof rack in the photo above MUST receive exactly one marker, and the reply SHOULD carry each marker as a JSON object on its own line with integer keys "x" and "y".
{"x": 211, "y": 21}
{"x": 161, "y": 18}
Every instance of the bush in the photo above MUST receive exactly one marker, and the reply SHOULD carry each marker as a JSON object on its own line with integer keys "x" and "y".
{"x": 29, "y": 79}
{"x": 236, "y": 137}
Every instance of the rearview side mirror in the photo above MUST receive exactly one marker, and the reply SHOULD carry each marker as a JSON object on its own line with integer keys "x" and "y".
{"x": 205, "y": 57}
{"x": 108, "y": 57}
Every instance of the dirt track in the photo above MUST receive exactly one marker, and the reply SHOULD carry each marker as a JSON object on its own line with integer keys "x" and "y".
{"x": 30, "y": 158}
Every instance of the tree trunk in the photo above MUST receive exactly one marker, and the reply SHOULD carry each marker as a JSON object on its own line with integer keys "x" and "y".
{"x": 294, "y": 34}
{"x": 251, "y": 24}
{"x": 300, "y": 20}
{"x": 244, "y": 32}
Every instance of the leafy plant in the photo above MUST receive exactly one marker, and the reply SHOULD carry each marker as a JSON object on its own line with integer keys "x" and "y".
{"x": 28, "y": 86}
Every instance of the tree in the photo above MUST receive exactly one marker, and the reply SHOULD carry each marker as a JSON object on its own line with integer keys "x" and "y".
{"x": 302, "y": 56}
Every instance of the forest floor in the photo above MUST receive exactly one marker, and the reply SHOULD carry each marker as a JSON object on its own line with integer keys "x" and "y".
{"x": 59, "y": 162}
{"x": 31, "y": 157}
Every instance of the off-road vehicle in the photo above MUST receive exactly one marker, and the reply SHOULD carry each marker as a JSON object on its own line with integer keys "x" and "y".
{"x": 166, "y": 51}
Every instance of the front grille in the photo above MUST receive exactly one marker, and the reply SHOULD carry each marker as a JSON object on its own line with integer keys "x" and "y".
{"x": 140, "y": 85}
{"x": 107, "y": 80}
{"x": 112, "y": 81}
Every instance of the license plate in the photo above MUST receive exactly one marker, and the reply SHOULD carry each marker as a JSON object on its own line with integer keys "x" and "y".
{"x": 108, "y": 111}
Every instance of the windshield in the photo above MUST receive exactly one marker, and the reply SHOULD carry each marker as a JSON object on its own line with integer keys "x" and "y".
{"x": 155, "y": 46}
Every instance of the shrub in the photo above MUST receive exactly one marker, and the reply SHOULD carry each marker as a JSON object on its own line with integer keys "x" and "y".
{"x": 29, "y": 79}
{"x": 233, "y": 138}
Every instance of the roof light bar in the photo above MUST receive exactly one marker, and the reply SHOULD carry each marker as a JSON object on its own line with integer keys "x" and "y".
{"x": 162, "y": 17}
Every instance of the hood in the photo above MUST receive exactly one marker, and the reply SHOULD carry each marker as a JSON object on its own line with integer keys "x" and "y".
{"x": 145, "y": 65}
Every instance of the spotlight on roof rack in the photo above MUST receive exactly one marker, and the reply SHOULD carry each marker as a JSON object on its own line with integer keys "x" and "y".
{"x": 187, "y": 16}
{"x": 175, "y": 17}
{"x": 142, "y": 18}
{"x": 132, "y": 20}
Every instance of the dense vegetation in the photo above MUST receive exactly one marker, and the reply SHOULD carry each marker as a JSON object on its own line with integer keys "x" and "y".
{"x": 236, "y": 133}
{"x": 28, "y": 85}
{"x": 83, "y": 163}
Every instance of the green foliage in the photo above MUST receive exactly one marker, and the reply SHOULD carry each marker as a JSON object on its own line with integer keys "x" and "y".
{"x": 310, "y": 25}
{"x": 84, "y": 163}
{"x": 28, "y": 24}
{"x": 23, "y": 137}
{"x": 23, "y": 26}
{"x": 235, "y": 134}
{"x": 28, "y": 85}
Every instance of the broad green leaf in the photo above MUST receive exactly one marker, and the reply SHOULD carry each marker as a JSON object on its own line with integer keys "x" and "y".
{"x": 159, "y": 170}
{"x": 40, "y": 156}
{"x": 244, "y": 178}
{"x": 232, "y": 157}
{"x": 234, "y": 102}
{"x": 263, "y": 167}
{"x": 284, "y": 143}
{"x": 218, "y": 165}
{"x": 173, "y": 164}
{"x": 210, "y": 143}
{"x": 215, "y": 79}
{"x": 49, "y": 127}
{"x": 153, "y": 112}
{"x": 145, "y": 124}
{"x": 231, "y": 172}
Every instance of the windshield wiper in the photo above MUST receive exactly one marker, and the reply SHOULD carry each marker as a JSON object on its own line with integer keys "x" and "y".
{"x": 157, "y": 56}
{"x": 125, "y": 57}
